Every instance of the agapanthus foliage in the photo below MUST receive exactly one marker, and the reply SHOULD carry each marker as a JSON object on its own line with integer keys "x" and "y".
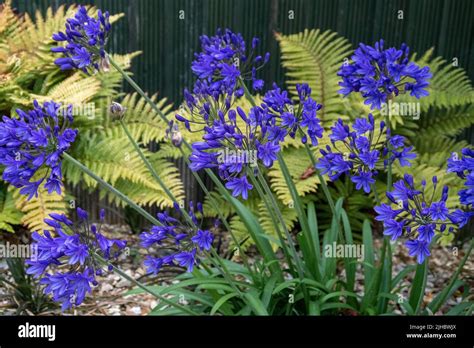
{"x": 415, "y": 214}
{"x": 379, "y": 74}
{"x": 67, "y": 258}
{"x": 464, "y": 167}
{"x": 32, "y": 144}
{"x": 85, "y": 39}
{"x": 358, "y": 152}
{"x": 176, "y": 241}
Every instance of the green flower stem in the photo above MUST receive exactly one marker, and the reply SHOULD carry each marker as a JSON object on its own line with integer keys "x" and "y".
{"x": 112, "y": 189}
{"x": 379, "y": 271}
{"x": 298, "y": 263}
{"x": 376, "y": 194}
{"x": 325, "y": 187}
{"x": 332, "y": 206}
{"x": 389, "y": 186}
{"x": 389, "y": 147}
{"x": 275, "y": 221}
{"x": 277, "y": 211}
{"x": 247, "y": 93}
{"x": 147, "y": 162}
{"x": 138, "y": 89}
{"x": 146, "y": 288}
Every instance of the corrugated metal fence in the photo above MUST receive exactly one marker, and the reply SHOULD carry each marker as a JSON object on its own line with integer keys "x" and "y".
{"x": 167, "y": 31}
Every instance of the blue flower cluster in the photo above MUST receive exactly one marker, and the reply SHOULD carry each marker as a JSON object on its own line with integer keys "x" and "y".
{"x": 66, "y": 262}
{"x": 86, "y": 38}
{"x": 356, "y": 152}
{"x": 232, "y": 149}
{"x": 233, "y": 144}
{"x": 281, "y": 117}
{"x": 31, "y": 147}
{"x": 464, "y": 168}
{"x": 416, "y": 215}
{"x": 178, "y": 242}
{"x": 379, "y": 74}
{"x": 223, "y": 60}
{"x": 221, "y": 67}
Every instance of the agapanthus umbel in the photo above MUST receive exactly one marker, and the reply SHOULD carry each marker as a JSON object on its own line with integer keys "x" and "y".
{"x": 67, "y": 262}
{"x": 176, "y": 242}
{"x": 235, "y": 145}
{"x": 379, "y": 74}
{"x": 223, "y": 60}
{"x": 358, "y": 152}
{"x": 32, "y": 144}
{"x": 415, "y": 214}
{"x": 221, "y": 66}
{"x": 85, "y": 39}
{"x": 281, "y": 116}
{"x": 464, "y": 167}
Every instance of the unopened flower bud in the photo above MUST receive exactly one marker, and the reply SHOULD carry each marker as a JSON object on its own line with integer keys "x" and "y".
{"x": 105, "y": 64}
{"x": 117, "y": 111}
{"x": 177, "y": 138}
{"x": 174, "y": 134}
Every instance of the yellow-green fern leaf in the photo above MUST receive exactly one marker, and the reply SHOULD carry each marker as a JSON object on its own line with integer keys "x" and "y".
{"x": 38, "y": 208}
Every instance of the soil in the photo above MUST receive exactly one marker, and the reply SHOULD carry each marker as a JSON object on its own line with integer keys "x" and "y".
{"x": 108, "y": 297}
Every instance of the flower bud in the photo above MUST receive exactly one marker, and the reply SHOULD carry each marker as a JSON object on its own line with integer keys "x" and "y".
{"x": 117, "y": 111}
{"x": 105, "y": 64}
{"x": 177, "y": 138}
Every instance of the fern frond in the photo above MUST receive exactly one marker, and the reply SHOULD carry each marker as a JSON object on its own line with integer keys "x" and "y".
{"x": 38, "y": 208}
{"x": 298, "y": 163}
{"x": 114, "y": 159}
{"x": 144, "y": 123}
{"x": 449, "y": 87}
{"x": 314, "y": 57}
{"x": 9, "y": 214}
{"x": 75, "y": 90}
{"x": 448, "y": 123}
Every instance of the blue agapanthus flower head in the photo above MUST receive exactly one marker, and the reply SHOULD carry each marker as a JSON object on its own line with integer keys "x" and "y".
{"x": 238, "y": 141}
{"x": 282, "y": 117}
{"x": 380, "y": 73}
{"x": 463, "y": 166}
{"x": 66, "y": 261}
{"x": 224, "y": 60}
{"x": 235, "y": 141}
{"x": 360, "y": 152}
{"x": 223, "y": 65}
{"x": 414, "y": 213}
{"x": 85, "y": 38}
{"x": 178, "y": 241}
{"x": 32, "y": 144}
{"x": 233, "y": 145}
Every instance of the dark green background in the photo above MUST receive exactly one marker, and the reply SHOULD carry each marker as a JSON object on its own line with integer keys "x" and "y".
{"x": 168, "y": 43}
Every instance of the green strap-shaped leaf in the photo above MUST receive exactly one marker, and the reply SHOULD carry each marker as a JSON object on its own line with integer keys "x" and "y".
{"x": 418, "y": 286}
